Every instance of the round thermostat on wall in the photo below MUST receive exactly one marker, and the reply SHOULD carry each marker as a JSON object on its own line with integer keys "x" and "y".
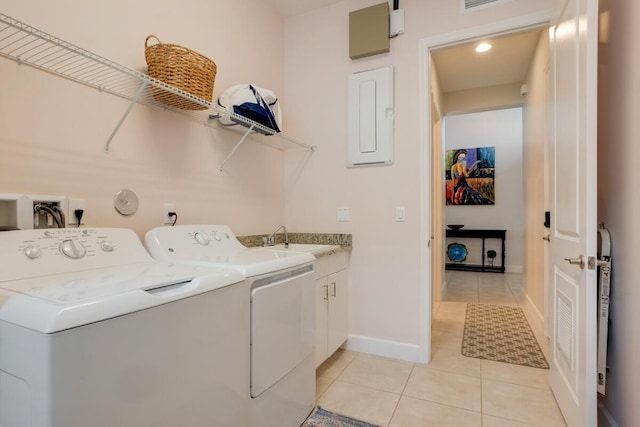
{"x": 125, "y": 202}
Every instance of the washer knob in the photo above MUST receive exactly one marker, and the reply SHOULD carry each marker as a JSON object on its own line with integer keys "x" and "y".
{"x": 32, "y": 252}
{"x": 217, "y": 236}
{"x": 72, "y": 249}
{"x": 107, "y": 246}
{"x": 201, "y": 238}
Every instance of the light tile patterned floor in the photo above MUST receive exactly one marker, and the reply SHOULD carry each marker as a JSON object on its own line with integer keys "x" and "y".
{"x": 452, "y": 390}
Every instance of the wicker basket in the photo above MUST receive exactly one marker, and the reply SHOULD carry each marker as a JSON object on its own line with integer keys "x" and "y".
{"x": 183, "y": 69}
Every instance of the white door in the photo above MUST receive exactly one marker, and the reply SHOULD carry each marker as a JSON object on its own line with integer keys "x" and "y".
{"x": 574, "y": 224}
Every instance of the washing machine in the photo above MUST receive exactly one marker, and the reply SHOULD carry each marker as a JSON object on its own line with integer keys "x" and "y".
{"x": 282, "y": 316}
{"x": 95, "y": 332}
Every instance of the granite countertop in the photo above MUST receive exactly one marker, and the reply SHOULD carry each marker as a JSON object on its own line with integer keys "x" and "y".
{"x": 333, "y": 242}
{"x": 328, "y": 250}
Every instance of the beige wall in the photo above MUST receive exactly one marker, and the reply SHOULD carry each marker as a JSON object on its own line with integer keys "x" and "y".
{"x": 437, "y": 221}
{"x": 618, "y": 201}
{"x": 502, "y": 130}
{"x": 437, "y": 182}
{"x": 535, "y": 114}
{"x": 53, "y": 130}
{"x": 436, "y": 91}
{"x": 482, "y": 99}
{"x": 385, "y": 263}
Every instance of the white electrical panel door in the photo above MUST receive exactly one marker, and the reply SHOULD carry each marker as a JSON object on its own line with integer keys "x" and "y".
{"x": 370, "y": 130}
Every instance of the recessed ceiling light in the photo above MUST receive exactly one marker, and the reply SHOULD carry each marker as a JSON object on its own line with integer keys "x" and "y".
{"x": 483, "y": 47}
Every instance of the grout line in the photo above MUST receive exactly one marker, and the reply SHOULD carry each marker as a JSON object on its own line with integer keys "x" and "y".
{"x": 511, "y": 286}
{"x": 413, "y": 366}
{"x": 481, "y": 400}
{"x": 332, "y": 380}
{"x": 376, "y": 389}
{"x": 449, "y": 405}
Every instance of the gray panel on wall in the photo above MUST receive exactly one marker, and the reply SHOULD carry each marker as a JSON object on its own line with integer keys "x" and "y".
{"x": 369, "y": 31}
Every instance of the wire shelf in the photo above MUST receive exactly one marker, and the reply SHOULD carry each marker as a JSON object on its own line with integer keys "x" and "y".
{"x": 28, "y": 45}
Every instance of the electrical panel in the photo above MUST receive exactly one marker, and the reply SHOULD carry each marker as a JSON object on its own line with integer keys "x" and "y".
{"x": 370, "y": 121}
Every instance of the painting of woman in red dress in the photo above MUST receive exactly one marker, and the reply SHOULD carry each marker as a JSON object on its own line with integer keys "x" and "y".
{"x": 470, "y": 176}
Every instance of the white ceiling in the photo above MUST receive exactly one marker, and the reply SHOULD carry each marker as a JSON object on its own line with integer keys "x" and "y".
{"x": 459, "y": 67}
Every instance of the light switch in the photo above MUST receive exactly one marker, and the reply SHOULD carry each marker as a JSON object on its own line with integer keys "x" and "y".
{"x": 400, "y": 214}
{"x": 343, "y": 214}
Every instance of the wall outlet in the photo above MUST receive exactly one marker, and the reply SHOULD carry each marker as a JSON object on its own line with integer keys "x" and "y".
{"x": 342, "y": 214}
{"x": 42, "y": 217}
{"x": 168, "y": 207}
{"x": 71, "y": 216}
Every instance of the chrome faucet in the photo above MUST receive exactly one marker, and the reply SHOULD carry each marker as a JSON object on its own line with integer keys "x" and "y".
{"x": 270, "y": 240}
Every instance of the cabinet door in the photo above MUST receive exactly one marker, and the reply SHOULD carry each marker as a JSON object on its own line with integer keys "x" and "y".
{"x": 322, "y": 295}
{"x": 337, "y": 317}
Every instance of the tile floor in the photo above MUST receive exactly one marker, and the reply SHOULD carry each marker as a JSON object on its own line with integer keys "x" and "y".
{"x": 452, "y": 390}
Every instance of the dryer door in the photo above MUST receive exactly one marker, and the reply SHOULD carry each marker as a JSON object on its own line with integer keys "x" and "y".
{"x": 282, "y": 325}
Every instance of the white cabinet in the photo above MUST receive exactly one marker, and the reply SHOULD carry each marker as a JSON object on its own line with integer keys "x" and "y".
{"x": 331, "y": 304}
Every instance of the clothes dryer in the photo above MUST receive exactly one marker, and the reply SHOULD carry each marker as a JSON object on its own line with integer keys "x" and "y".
{"x": 282, "y": 300}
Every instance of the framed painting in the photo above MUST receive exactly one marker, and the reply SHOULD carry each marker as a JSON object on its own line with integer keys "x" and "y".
{"x": 469, "y": 177}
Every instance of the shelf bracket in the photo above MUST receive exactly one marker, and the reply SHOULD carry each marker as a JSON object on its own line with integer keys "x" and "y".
{"x": 246, "y": 134}
{"x": 134, "y": 100}
{"x": 33, "y": 47}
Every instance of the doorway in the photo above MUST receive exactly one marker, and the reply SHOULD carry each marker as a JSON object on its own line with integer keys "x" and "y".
{"x": 433, "y": 106}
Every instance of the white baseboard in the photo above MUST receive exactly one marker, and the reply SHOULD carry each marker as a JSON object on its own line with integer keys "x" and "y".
{"x": 513, "y": 269}
{"x": 384, "y": 348}
{"x": 605, "y": 419}
{"x": 538, "y": 317}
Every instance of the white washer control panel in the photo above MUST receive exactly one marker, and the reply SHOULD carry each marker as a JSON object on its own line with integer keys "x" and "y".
{"x": 217, "y": 238}
{"x": 184, "y": 243}
{"x": 210, "y": 235}
{"x": 72, "y": 248}
{"x": 188, "y": 242}
{"x": 201, "y": 238}
{"x": 53, "y": 251}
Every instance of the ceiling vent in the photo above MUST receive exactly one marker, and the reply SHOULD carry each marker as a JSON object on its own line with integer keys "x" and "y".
{"x": 473, "y": 5}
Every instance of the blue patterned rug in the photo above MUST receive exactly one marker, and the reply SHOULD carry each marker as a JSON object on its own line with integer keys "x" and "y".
{"x": 323, "y": 418}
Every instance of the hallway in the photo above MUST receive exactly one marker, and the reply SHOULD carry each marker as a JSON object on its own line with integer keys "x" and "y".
{"x": 452, "y": 390}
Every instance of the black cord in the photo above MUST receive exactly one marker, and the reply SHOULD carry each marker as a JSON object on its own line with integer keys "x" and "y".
{"x": 175, "y": 217}
{"x": 60, "y": 215}
{"x": 78, "y": 214}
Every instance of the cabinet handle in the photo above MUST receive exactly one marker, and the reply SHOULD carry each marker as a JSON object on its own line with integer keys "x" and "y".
{"x": 326, "y": 292}
{"x": 334, "y": 289}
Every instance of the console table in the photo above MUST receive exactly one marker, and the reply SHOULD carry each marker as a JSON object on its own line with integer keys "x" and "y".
{"x": 478, "y": 234}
